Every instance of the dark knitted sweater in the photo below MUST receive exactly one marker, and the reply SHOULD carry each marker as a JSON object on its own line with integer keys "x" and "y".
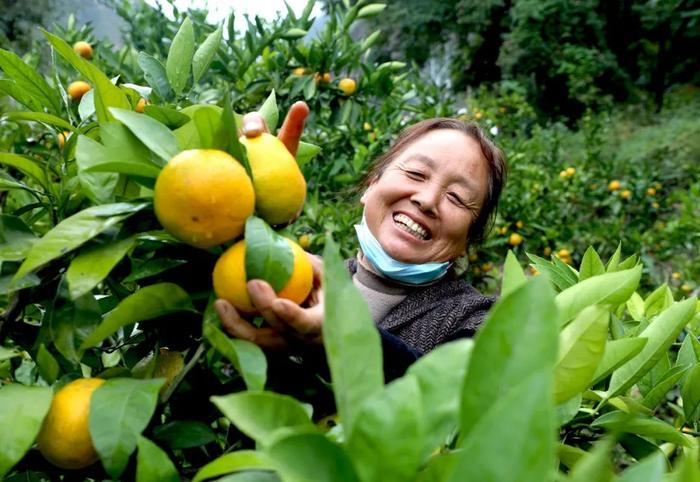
{"x": 434, "y": 314}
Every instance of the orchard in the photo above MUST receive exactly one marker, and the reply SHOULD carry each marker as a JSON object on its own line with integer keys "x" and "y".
{"x": 131, "y": 199}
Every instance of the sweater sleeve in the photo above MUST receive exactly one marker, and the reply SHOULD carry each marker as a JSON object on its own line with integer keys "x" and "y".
{"x": 397, "y": 356}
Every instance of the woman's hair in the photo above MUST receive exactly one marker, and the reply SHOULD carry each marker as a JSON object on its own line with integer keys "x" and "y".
{"x": 495, "y": 163}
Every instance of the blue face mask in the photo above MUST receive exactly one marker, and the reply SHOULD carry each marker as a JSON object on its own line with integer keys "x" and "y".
{"x": 404, "y": 272}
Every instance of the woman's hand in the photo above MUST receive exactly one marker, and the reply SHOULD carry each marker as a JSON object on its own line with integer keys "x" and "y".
{"x": 288, "y": 322}
{"x": 253, "y": 125}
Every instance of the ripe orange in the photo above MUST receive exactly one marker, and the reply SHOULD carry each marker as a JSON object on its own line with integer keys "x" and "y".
{"x": 76, "y": 90}
{"x": 141, "y": 105}
{"x": 614, "y": 185}
{"x": 64, "y": 439}
{"x": 280, "y": 187}
{"x": 299, "y": 71}
{"x": 62, "y": 138}
{"x": 515, "y": 239}
{"x": 626, "y": 194}
{"x": 304, "y": 241}
{"x": 203, "y": 197}
{"x": 347, "y": 85}
{"x": 83, "y": 49}
{"x": 230, "y": 278}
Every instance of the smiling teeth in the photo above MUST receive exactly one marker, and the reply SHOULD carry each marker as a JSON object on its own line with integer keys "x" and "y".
{"x": 410, "y": 226}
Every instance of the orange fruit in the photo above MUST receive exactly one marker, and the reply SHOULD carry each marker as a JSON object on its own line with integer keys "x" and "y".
{"x": 614, "y": 185}
{"x": 347, "y": 85}
{"x": 141, "y": 105}
{"x": 83, "y": 49}
{"x": 62, "y": 138}
{"x": 304, "y": 241}
{"x": 203, "y": 197}
{"x": 230, "y": 278}
{"x": 299, "y": 71}
{"x": 280, "y": 187}
{"x": 626, "y": 194}
{"x": 515, "y": 239}
{"x": 76, "y": 90}
{"x": 64, "y": 439}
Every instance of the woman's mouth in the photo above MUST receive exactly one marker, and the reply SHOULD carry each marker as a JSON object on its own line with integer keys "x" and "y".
{"x": 407, "y": 224}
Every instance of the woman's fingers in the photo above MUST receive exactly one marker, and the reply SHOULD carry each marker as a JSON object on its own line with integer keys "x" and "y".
{"x": 306, "y": 323}
{"x": 253, "y": 124}
{"x": 293, "y": 126}
{"x": 238, "y": 327}
{"x": 263, "y": 296}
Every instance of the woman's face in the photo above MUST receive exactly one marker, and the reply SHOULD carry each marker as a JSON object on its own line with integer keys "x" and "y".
{"x": 422, "y": 205}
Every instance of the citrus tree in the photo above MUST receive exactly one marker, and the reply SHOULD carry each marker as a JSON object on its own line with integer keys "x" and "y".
{"x": 139, "y": 204}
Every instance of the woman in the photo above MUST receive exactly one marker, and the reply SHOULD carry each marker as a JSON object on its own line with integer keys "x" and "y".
{"x": 425, "y": 200}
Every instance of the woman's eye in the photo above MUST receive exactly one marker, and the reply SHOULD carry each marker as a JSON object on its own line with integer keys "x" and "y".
{"x": 456, "y": 199}
{"x": 415, "y": 174}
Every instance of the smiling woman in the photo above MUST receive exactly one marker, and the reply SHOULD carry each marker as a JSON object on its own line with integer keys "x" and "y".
{"x": 425, "y": 201}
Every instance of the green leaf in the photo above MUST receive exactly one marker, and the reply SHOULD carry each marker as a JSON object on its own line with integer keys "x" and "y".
{"x": 562, "y": 277}
{"x": 120, "y": 409}
{"x": 658, "y": 393}
{"x": 689, "y": 353}
{"x": 29, "y": 81}
{"x": 154, "y": 73}
{"x": 309, "y": 456}
{"x": 371, "y": 10}
{"x": 147, "y": 303}
{"x": 306, "y": 152}
{"x": 594, "y": 465}
{"x": 177, "y": 66}
{"x": 233, "y": 462}
{"x": 23, "y": 410}
{"x": 608, "y": 289}
{"x": 440, "y": 389}
{"x": 72, "y": 232}
{"x": 691, "y": 394}
{"x": 270, "y": 112}
{"x": 230, "y": 123}
{"x": 152, "y": 267}
{"x": 503, "y": 354}
{"x": 294, "y": 33}
{"x": 6, "y": 353}
{"x": 86, "y": 107}
{"x": 387, "y": 443}
{"x": 184, "y": 434}
{"x": 157, "y": 137}
{"x": 169, "y": 117}
{"x": 212, "y": 134}
{"x": 48, "y": 366}
{"x": 67, "y": 323}
{"x": 581, "y": 347}
{"x": 509, "y": 390}
{"x": 638, "y": 424}
{"x": 268, "y": 256}
{"x": 617, "y": 352}
{"x": 11, "y": 88}
{"x": 513, "y": 275}
{"x": 98, "y": 186}
{"x": 649, "y": 469}
{"x": 658, "y": 301}
{"x": 260, "y": 414}
{"x": 349, "y": 335}
{"x": 514, "y": 438}
{"x": 246, "y": 357}
{"x": 635, "y": 307}
{"x": 92, "y": 266}
{"x": 686, "y": 467}
{"x": 152, "y": 464}
{"x": 42, "y": 117}
{"x": 591, "y": 265}
{"x": 26, "y": 166}
{"x": 122, "y": 153}
{"x": 107, "y": 94}
{"x": 661, "y": 333}
{"x": 614, "y": 260}
{"x": 16, "y": 238}
{"x": 205, "y": 53}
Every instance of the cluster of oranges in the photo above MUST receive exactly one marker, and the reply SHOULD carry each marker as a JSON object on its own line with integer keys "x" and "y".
{"x": 568, "y": 172}
{"x": 347, "y": 85}
{"x": 204, "y": 197}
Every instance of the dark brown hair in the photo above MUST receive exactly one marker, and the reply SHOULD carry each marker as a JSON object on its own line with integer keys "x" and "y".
{"x": 495, "y": 163}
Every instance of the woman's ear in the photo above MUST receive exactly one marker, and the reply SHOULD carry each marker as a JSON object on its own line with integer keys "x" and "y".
{"x": 363, "y": 199}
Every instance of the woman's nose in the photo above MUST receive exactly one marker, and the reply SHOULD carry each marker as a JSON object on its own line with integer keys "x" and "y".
{"x": 427, "y": 200}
